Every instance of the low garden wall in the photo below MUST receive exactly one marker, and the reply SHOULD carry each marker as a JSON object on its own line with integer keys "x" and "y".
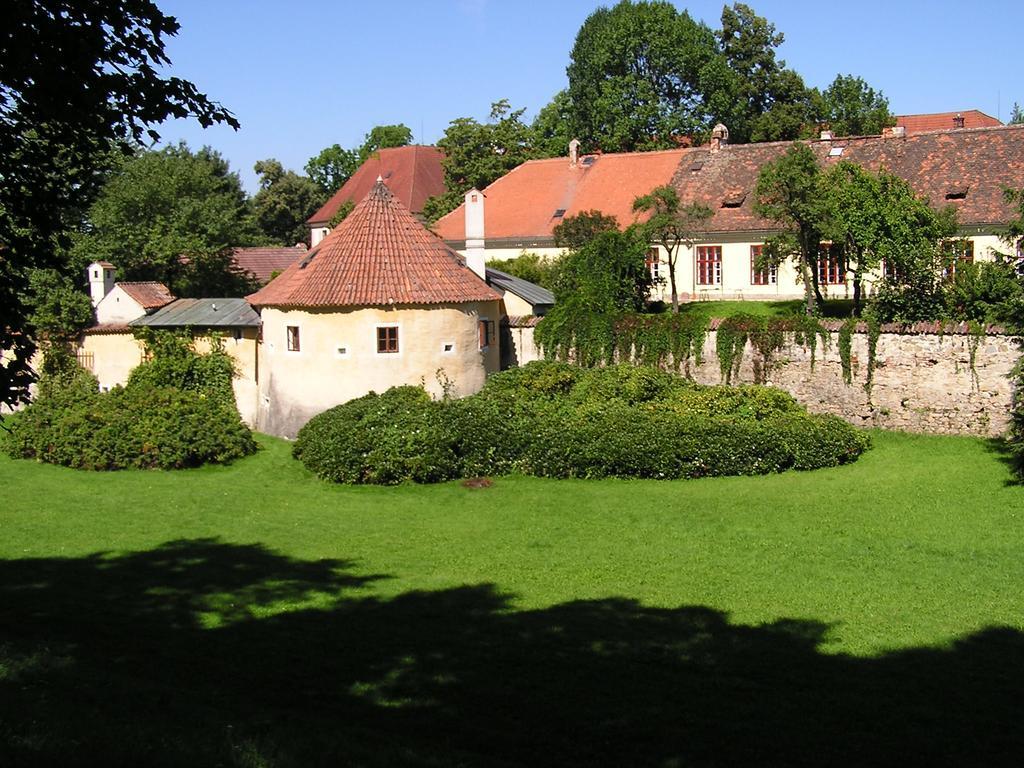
{"x": 926, "y": 378}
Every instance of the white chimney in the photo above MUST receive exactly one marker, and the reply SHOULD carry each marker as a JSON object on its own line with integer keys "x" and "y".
{"x": 719, "y": 137}
{"x": 826, "y": 136}
{"x": 574, "y": 152}
{"x": 474, "y": 208}
{"x": 101, "y": 280}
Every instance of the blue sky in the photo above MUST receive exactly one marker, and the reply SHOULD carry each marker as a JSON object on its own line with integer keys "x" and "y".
{"x": 306, "y": 74}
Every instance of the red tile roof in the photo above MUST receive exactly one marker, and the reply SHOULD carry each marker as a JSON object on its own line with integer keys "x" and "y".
{"x": 944, "y": 121}
{"x": 520, "y": 205}
{"x": 523, "y": 202}
{"x": 261, "y": 263}
{"x": 412, "y": 174}
{"x": 379, "y": 255}
{"x": 148, "y": 295}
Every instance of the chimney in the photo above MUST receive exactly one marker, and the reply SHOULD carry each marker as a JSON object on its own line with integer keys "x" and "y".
{"x": 958, "y": 120}
{"x": 827, "y": 136}
{"x": 895, "y": 132}
{"x": 101, "y": 280}
{"x": 574, "y": 152}
{"x": 475, "y": 232}
{"x": 719, "y": 137}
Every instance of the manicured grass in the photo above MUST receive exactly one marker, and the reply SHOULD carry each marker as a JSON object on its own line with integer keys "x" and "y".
{"x": 833, "y": 308}
{"x": 253, "y": 615}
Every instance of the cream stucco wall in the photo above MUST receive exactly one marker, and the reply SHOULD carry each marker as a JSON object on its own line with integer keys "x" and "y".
{"x": 516, "y": 306}
{"x": 118, "y": 307}
{"x": 110, "y": 356}
{"x": 295, "y": 386}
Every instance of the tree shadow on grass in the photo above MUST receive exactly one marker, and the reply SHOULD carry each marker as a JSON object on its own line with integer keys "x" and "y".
{"x": 1001, "y": 448}
{"x": 184, "y": 656}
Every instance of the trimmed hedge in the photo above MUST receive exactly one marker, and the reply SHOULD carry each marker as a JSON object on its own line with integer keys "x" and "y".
{"x": 555, "y": 420}
{"x": 139, "y": 427}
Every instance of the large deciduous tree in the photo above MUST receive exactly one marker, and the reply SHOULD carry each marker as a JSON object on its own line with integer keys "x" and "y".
{"x": 576, "y": 231}
{"x": 852, "y": 108}
{"x": 332, "y": 167}
{"x": 171, "y": 215}
{"x": 475, "y": 154}
{"x": 384, "y": 137}
{"x": 877, "y": 219}
{"x": 284, "y": 201}
{"x": 638, "y": 77}
{"x": 75, "y": 79}
{"x": 671, "y": 225}
{"x": 788, "y": 194}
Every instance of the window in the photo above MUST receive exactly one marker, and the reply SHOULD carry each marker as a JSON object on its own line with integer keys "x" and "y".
{"x": 486, "y": 330}
{"x": 957, "y": 252}
{"x": 387, "y": 339}
{"x": 448, "y": 347}
{"x": 768, "y": 275}
{"x": 831, "y": 265}
{"x": 293, "y": 338}
{"x": 654, "y": 264}
{"x": 709, "y": 265}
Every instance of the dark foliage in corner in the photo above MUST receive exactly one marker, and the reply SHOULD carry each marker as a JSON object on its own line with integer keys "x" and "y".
{"x": 552, "y": 419}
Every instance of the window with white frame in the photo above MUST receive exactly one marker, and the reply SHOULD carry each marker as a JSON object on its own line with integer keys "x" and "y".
{"x": 292, "y": 343}
{"x": 760, "y": 272}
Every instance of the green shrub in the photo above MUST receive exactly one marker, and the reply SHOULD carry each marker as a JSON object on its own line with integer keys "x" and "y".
{"x": 144, "y": 428}
{"x": 381, "y": 439}
{"x": 172, "y": 361}
{"x": 554, "y": 420}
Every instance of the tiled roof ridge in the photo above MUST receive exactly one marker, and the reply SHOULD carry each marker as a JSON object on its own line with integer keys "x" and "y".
{"x": 943, "y": 113}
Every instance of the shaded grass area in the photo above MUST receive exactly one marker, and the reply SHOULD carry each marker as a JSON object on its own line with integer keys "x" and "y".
{"x": 252, "y": 615}
{"x": 832, "y": 308}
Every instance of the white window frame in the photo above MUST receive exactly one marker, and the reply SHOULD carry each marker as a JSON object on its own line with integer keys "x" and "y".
{"x": 288, "y": 339}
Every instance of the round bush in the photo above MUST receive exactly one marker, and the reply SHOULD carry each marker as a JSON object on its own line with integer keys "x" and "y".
{"x": 557, "y": 420}
{"x": 142, "y": 427}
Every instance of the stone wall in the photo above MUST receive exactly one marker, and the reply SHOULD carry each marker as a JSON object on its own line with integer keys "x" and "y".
{"x": 923, "y": 381}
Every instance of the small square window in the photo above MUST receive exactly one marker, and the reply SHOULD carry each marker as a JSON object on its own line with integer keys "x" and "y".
{"x": 448, "y": 347}
{"x": 387, "y": 339}
{"x": 293, "y": 338}
{"x": 342, "y": 351}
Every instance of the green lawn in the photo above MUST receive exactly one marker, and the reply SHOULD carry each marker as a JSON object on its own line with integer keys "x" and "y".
{"x": 832, "y": 308}
{"x": 253, "y": 615}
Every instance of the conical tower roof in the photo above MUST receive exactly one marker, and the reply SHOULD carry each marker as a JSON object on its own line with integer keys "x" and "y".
{"x": 380, "y": 255}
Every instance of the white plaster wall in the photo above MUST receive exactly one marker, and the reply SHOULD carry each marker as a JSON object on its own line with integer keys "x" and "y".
{"x": 112, "y": 355}
{"x": 118, "y": 307}
{"x": 295, "y": 386}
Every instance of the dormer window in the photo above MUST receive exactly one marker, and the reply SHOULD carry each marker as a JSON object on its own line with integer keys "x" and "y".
{"x": 957, "y": 193}
{"x": 559, "y": 213}
{"x": 734, "y": 200}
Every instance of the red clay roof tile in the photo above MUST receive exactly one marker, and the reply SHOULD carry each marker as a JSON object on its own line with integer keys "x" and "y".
{"x": 379, "y": 255}
{"x": 148, "y": 295}
{"x": 261, "y": 262}
{"x": 944, "y": 121}
{"x": 412, "y": 174}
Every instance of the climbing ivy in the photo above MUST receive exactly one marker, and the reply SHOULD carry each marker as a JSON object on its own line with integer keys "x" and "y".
{"x": 846, "y": 347}
{"x": 874, "y": 331}
{"x": 975, "y": 333}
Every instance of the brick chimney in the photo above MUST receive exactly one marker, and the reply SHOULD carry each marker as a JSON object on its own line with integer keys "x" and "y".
{"x": 719, "y": 137}
{"x": 958, "y": 120}
{"x": 574, "y": 152}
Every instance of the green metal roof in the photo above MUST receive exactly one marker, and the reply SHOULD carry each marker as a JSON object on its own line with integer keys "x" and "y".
{"x": 202, "y": 313}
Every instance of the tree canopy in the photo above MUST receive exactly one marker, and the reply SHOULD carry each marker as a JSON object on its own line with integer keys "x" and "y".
{"x": 852, "y": 108}
{"x": 475, "y": 154}
{"x": 283, "y": 203}
{"x": 62, "y": 62}
{"x": 334, "y": 165}
{"x": 576, "y": 231}
{"x": 161, "y": 206}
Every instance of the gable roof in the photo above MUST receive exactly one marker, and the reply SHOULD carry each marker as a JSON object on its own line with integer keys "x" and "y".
{"x": 982, "y": 161}
{"x": 380, "y": 255}
{"x": 520, "y": 205}
{"x": 148, "y": 295}
{"x": 412, "y": 174}
{"x": 202, "y": 313}
{"x": 943, "y": 121}
{"x": 261, "y": 262}
{"x": 523, "y": 203}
